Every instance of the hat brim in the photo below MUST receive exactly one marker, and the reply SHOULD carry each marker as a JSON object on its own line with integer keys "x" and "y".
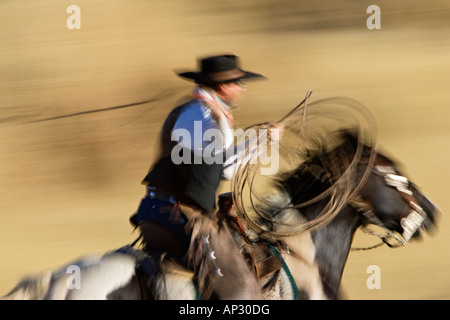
{"x": 200, "y": 78}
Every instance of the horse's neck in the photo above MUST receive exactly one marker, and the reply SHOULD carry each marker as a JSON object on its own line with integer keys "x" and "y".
{"x": 332, "y": 244}
{"x": 316, "y": 259}
{"x": 300, "y": 257}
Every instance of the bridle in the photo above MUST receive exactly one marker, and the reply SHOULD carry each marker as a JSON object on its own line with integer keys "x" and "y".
{"x": 417, "y": 215}
{"x": 410, "y": 224}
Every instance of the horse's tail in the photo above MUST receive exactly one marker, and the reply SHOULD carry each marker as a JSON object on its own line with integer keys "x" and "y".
{"x": 33, "y": 287}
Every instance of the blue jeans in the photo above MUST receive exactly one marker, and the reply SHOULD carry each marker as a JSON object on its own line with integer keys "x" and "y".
{"x": 161, "y": 212}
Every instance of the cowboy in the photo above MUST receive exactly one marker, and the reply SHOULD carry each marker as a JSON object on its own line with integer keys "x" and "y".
{"x": 181, "y": 184}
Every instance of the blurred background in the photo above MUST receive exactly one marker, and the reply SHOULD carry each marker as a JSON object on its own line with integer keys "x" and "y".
{"x": 68, "y": 186}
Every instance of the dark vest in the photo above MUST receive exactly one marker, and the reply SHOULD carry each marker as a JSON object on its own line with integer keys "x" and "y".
{"x": 189, "y": 183}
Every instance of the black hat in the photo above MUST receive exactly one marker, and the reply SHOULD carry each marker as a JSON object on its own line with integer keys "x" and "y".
{"x": 219, "y": 69}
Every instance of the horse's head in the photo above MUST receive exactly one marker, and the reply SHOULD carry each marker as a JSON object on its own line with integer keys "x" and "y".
{"x": 391, "y": 201}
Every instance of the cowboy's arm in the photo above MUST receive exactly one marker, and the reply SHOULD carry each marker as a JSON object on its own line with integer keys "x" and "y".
{"x": 239, "y": 153}
{"x": 250, "y": 148}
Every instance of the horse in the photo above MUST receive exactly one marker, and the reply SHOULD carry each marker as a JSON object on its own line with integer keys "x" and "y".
{"x": 386, "y": 198}
{"x": 377, "y": 193}
{"x": 311, "y": 261}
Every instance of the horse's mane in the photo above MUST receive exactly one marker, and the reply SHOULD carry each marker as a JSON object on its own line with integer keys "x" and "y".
{"x": 315, "y": 190}
{"x": 321, "y": 168}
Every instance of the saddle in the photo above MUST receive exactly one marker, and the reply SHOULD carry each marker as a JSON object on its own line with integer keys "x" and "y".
{"x": 259, "y": 257}
{"x": 212, "y": 251}
{"x": 201, "y": 258}
{"x": 263, "y": 260}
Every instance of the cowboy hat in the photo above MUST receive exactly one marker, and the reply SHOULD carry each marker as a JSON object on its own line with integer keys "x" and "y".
{"x": 219, "y": 69}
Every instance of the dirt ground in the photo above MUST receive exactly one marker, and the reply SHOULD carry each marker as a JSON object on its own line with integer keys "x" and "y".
{"x": 68, "y": 186}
